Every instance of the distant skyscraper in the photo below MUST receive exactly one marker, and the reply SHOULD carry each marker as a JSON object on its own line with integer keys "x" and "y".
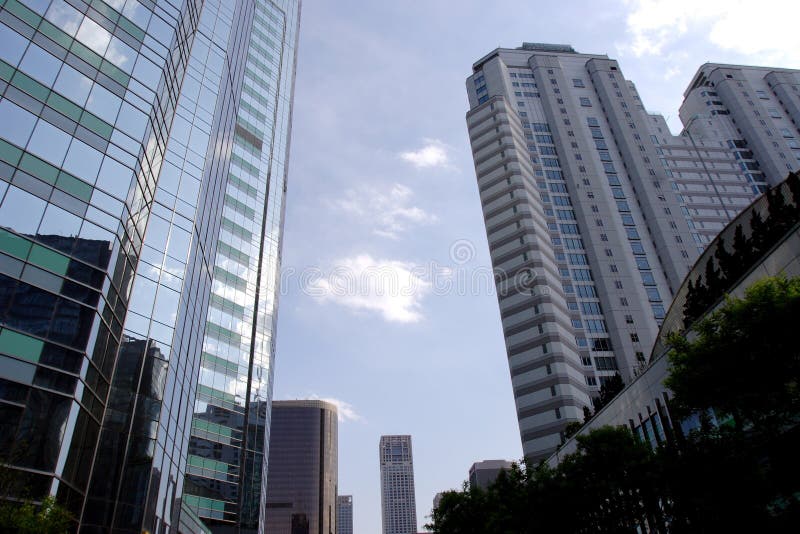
{"x": 143, "y": 155}
{"x": 756, "y": 110}
{"x": 483, "y": 474}
{"x": 594, "y": 213}
{"x": 437, "y": 499}
{"x": 397, "y": 485}
{"x": 344, "y": 514}
{"x": 303, "y": 470}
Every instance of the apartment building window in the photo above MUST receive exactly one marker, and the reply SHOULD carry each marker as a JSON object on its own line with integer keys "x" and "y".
{"x": 585, "y": 102}
{"x": 577, "y": 82}
{"x": 635, "y": 337}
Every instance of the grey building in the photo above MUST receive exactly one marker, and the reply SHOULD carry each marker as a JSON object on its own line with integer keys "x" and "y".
{"x": 644, "y": 405}
{"x": 756, "y": 110}
{"x": 483, "y": 474}
{"x": 398, "y": 501}
{"x": 303, "y": 470}
{"x": 142, "y": 173}
{"x": 344, "y": 514}
{"x": 595, "y": 212}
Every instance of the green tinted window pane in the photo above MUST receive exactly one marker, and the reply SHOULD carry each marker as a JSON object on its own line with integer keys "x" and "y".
{"x": 115, "y": 73}
{"x": 237, "y": 230}
{"x": 9, "y": 153}
{"x": 20, "y": 345}
{"x": 214, "y": 428}
{"x": 134, "y": 30}
{"x": 215, "y": 363}
{"x": 240, "y": 207}
{"x": 49, "y": 259}
{"x": 229, "y": 278}
{"x": 23, "y": 13}
{"x": 236, "y": 255}
{"x": 55, "y": 34}
{"x": 73, "y": 186}
{"x": 227, "y": 305}
{"x": 14, "y": 244}
{"x": 86, "y": 54}
{"x": 64, "y": 106}
{"x": 38, "y": 168}
{"x": 6, "y": 71}
{"x": 222, "y": 333}
{"x": 244, "y": 165}
{"x": 29, "y": 85}
{"x": 106, "y": 10}
{"x": 96, "y": 125}
{"x": 243, "y": 186}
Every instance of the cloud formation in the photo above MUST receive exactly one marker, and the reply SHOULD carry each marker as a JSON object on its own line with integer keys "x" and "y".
{"x": 393, "y": 289}
{"x": 345, "y": 410}
{"x": 654, "y": 25}
{"x": 389, "y": 213}
{"x": 432, "y": 154}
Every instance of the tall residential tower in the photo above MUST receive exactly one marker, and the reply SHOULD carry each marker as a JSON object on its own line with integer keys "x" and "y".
{"x": 755, "y": 110}
{"x": 142, "y": 172}
{"x": 398, "y": 502}
{"x": 594, "y": 213}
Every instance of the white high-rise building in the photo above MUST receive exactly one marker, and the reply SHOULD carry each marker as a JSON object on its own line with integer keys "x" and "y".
{"x": 594, "y": 213}
{"x": 398, "y": 504}
{"x": 344, "y": 514}
{"x": 755, "y": 110}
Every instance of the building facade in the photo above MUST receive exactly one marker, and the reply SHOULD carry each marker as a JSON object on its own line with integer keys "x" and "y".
{"x": 644, "y": 405}
{"x": 344, "y": 514}
{"x": 142, "y": 166}
{"x": 398, "y": 501}
{"x": 755, "y": 110}
{"x": 303, "y": 470}
{"x": 594, "y": 213}
{"x": 483, "y": 474}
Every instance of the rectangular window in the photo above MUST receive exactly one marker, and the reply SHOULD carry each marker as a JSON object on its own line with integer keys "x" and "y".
{"x": 587, "y": 292}
{"x": 585, "y": 102}
{"x": 591, "y": 308}
{"x": 577, "y": 82}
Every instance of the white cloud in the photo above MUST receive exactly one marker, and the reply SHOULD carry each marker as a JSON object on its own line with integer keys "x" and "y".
{"x": 767, "y": 32}
{"x": 432, "y": 154}
{"x": 389, "y": 213}
{"x": 394, "y": 289}
{"x": 345, "y": 410}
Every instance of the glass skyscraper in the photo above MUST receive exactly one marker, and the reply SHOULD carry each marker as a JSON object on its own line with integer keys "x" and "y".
{"x": 143, "y": 151}
{"x": 304, "y": 468}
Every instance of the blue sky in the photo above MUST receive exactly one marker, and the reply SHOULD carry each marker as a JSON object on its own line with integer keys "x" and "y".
{"x": 383, "y": 221}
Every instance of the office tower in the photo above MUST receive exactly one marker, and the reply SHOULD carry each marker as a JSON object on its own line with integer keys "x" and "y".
{"x": 143, "y": 163}
{"x": 594, "y": 213}
{"x": 483, "y": 474}
{"x": 344, "y": 514}
{"x": 755, "y": 110}
{"x": 303, "y": 471}
{"x": 398, "y": 503}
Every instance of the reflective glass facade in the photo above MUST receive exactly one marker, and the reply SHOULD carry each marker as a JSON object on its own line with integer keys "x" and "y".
{"x": 142, "y": 156}
{"x": 303, "y": 475}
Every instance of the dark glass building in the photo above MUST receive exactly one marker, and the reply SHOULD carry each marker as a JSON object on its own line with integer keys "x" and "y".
{"x": 303, "y": 468}
{"x": 143, "y": 153}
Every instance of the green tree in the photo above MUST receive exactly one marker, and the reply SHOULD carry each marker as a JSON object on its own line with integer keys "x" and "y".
{"x": 745, "y": 359}
{"x": 24, "y": 518}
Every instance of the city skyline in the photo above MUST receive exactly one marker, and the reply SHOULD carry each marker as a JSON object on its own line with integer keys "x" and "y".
{"x": 143, "y": 187}
{"x": 396, "y": 133}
